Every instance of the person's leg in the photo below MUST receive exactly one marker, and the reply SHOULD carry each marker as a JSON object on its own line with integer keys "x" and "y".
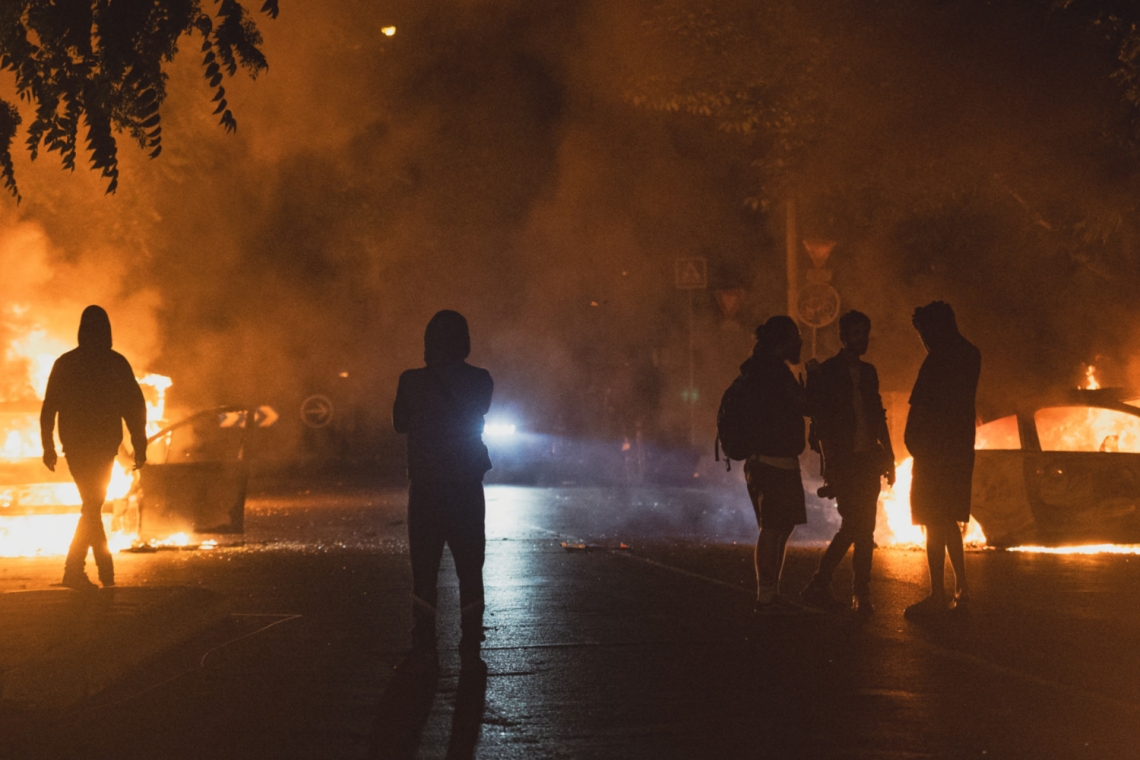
{"x": 425, "y": 548}
{"x": 467, "y": 539}
{"x": 92, "y": 480}
{"x": 834, "y": 554}
{"x": 770, "y": 548}
{"x": 936, "y": 558}
{"x": 957, "y": 554}
{"x": 863, "y": 504}
{"x": 778, "y": 498}
{"x": 764, "y": 543}
{"x": 935, "y": 604}
{"x": 87, "y": 474}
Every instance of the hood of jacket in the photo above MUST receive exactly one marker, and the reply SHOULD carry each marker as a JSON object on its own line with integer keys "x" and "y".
{"x": 446, "y": 339}
{"x": 95, "y": 328}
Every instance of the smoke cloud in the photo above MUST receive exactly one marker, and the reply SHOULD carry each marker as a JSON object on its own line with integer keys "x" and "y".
{"x": 487, "y": 158}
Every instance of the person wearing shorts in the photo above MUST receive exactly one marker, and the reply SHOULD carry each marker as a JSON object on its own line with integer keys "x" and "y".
{"x": 940, "y": 437}
{"x": 772, "y": 473}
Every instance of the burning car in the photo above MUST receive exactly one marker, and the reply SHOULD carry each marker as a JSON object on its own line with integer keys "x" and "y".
{"x": 1061, "y": 471}
{"x": 196, "y": 477}
{"x": 195, "y": 482}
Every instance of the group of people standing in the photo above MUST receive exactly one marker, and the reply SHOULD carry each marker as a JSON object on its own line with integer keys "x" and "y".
{"x": 441, "y": 406}
{"x": 849, "y": 430}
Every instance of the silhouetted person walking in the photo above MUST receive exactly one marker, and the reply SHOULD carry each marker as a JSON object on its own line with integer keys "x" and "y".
{"x": 940, "y": 437}
{"x": 93, "y": 390}
{"x": 850, "y": 426}
{"x": 441, "y": 407}
{"x": 773, "y": 471}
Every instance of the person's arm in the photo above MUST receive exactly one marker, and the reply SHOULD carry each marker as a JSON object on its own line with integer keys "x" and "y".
{"x": 47, "y": 420}
{"x": 814, "y": 405}
{"x": 401, "y": 414}
{"x": 485, "y": 398}
{"x": 880, "y": 429}
{"x": 134, "y": 414}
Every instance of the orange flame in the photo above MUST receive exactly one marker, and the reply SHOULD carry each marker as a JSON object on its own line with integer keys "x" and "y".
{"x": 1091, "y": 383}
{"x": 896, "y": 528}
{"x": 23, "y": 535}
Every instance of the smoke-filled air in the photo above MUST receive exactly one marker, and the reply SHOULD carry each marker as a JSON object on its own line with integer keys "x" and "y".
{"x": 540, "y": 168}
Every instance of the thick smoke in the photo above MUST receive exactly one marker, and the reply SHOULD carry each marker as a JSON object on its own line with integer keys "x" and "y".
{"x": 487, "y": 159}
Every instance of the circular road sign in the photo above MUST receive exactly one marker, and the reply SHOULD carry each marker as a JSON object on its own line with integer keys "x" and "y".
{"x": 818, "y": 304}
{"x": 317, "y": 411}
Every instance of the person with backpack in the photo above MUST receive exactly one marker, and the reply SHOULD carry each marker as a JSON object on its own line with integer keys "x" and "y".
{"x": 849, "y": 429}
{"x": 772, "y": 403}
{"x": 440, "y": 407}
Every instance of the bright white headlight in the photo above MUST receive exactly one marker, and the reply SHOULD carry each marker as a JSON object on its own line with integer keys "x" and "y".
{"x": 498, "y": 429}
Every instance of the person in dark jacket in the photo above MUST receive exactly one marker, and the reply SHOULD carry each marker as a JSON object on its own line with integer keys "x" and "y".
{"x": 93, "y": 391}
{"x": 440, "y": 407}
{"x": 940, "y": 437}
{"x": 773, "y": 472}
{"x": 849, "y": 429}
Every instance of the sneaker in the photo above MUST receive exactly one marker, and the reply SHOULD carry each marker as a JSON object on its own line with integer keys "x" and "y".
{"x": 77, "y": 581}
{"x": 861, "y": 605}
{"x": 818, "y": 595}
{"x": 961, "y": 603}
{"x": 928, "y": 608}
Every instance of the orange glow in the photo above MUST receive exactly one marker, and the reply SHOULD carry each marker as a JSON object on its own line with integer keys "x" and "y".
{"x": 1091, "y": 383}
{"x": 1086, "y": 428}
{"x": 388, "y": 31}
{"x": 28, "y": 534}
{"x": 895, "y": 528}
{"x": 1088, "y": 549}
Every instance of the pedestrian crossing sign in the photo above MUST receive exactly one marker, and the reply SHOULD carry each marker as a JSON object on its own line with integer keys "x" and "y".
{"x": 691, "y": 273}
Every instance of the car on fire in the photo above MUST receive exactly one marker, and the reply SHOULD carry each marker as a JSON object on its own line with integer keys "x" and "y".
{"x": 194, "y": 482}
{"x": 1063, "y": 470}
{"x": 197, "y": 474}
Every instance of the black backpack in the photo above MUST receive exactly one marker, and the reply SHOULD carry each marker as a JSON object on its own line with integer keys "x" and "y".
{"x": 738, "y": 421}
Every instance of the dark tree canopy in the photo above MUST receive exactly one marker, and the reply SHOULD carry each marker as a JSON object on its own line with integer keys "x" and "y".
{"x": 100, "y": 62}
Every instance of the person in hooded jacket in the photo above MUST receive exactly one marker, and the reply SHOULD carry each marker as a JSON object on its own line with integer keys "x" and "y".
{"x": 93, "y": 391}
{"x": 440, "y": 407}
{"x": 940, "y": 436}
{"x": 772, "y": 473}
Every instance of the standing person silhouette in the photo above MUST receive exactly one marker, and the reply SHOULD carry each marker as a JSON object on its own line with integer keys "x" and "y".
{"x": 441, "y": 407}
{"x": 772, "y": 472}
{"x": 93, "y": 390}
{"x": 850, "y": 426}
{"x": 940, "y": 437}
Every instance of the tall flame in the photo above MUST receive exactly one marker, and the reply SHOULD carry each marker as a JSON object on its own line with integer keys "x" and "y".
{"x": 896, "y": 527}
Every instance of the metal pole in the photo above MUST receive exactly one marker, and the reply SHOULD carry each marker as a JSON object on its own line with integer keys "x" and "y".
{"x": 691, "y": 394}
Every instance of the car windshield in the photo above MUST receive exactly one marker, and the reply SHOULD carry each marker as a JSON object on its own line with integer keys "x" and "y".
{"x": 999, "y": 434}
{"x": 1087, "y": 428}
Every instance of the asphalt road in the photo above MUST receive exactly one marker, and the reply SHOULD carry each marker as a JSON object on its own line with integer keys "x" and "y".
{"x": 608, "y": 652}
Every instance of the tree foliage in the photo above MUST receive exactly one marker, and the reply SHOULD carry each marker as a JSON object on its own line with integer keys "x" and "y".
{"x": 850, "y": 104}
{"x": 99, "y": 63}
{"x": 744, "y": 67}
